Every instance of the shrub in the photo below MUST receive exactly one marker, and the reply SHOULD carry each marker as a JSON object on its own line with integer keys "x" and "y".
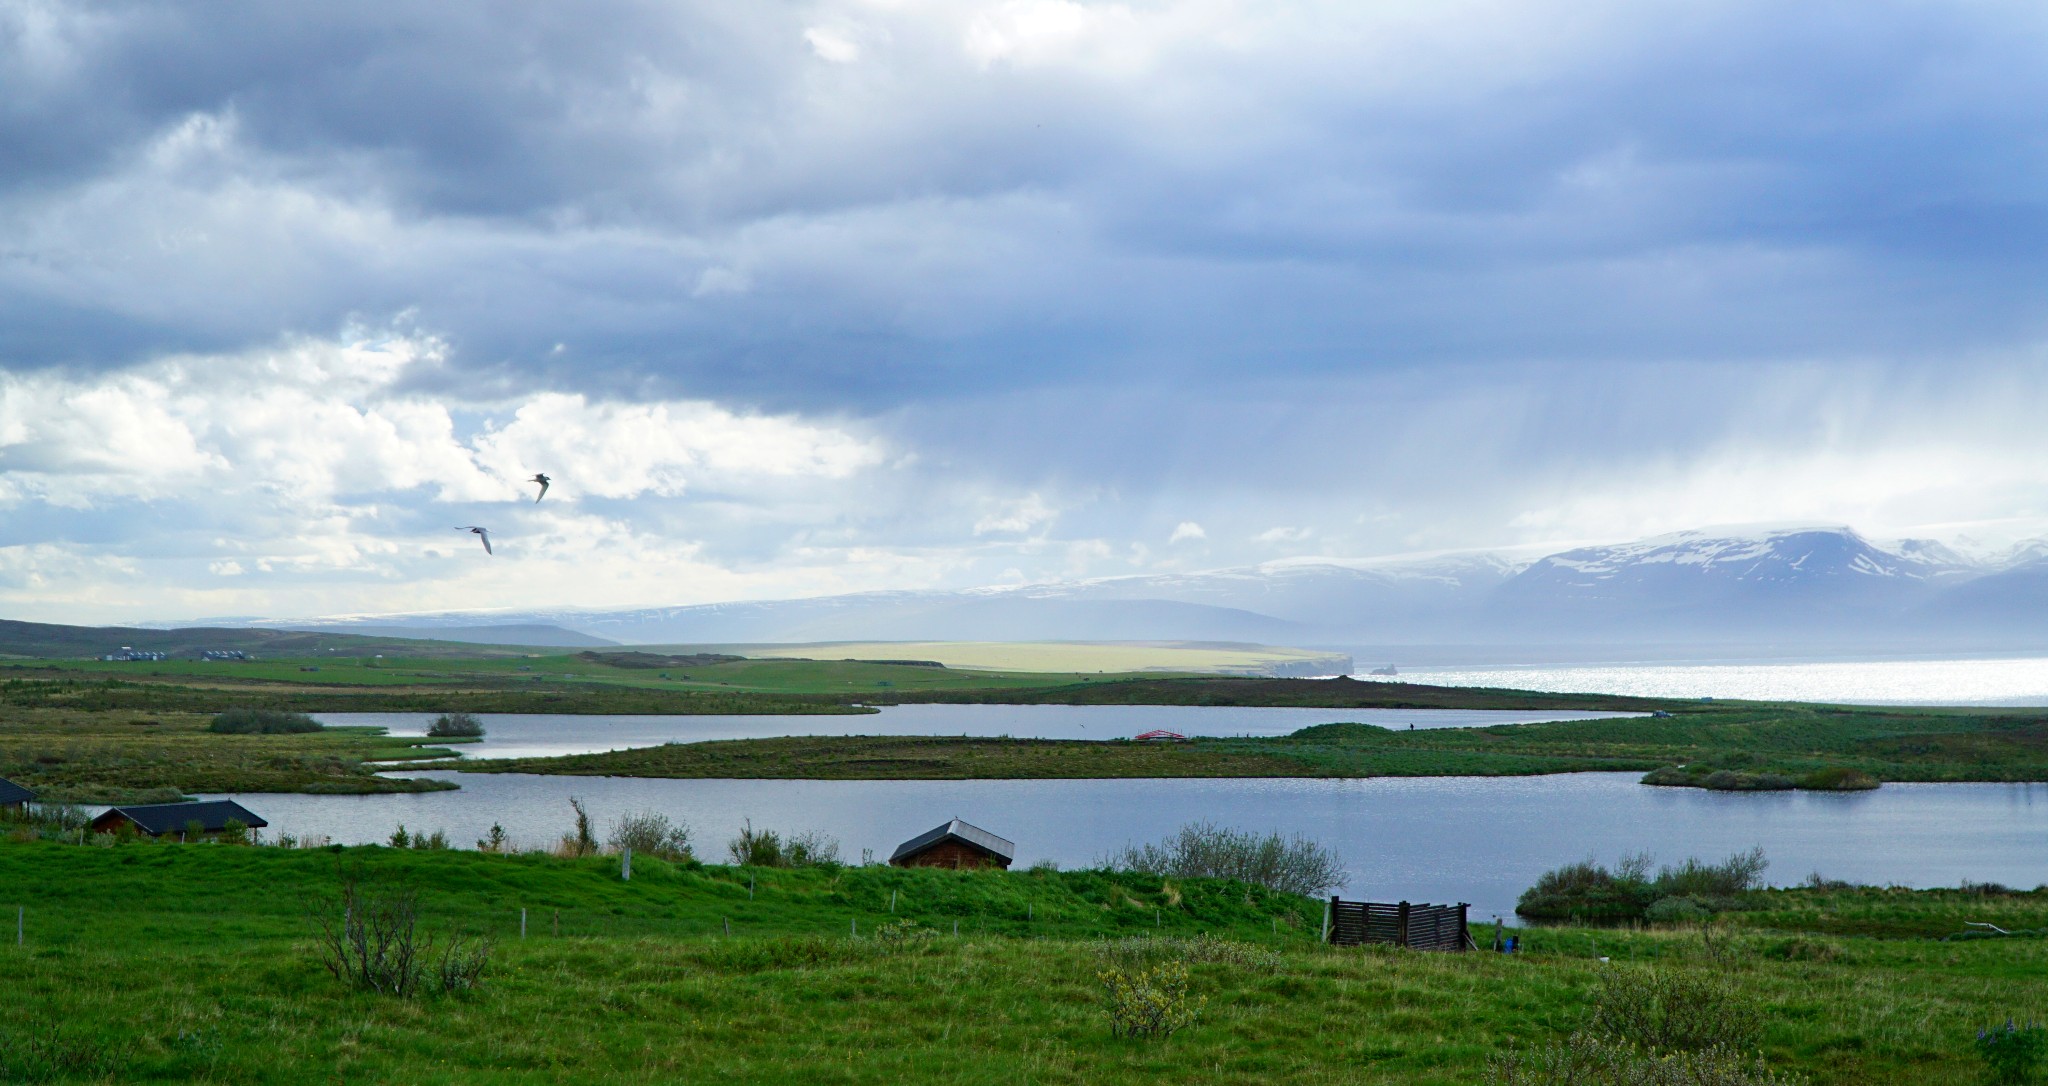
{"x": 1592, "y": 1061}
{"x": 456, "y": 726}
{"x": 904, "y": 932}
{"x": 234, "y": 832}
{"x": 2012, "y": 1053}
{"x": 1733, "y": 780}
{"x": 766, "y": 848}
{"x": 494, "y": 841}
{"x": 1668, "y": 1010}
{"x": 371, "y": 940}
{"x": 579, "y": 841}
{"x": 1838, "y": 779}
{"x": 649, "y": 833}
{"x": 1150, "y": 1003}
{"x": 1738, "y": 874}
{"x": 262, "y": 722}
{"x": 1587, "y": 890}
{"x": 1294, "y": 865}
{"x": 1676, "y": 910}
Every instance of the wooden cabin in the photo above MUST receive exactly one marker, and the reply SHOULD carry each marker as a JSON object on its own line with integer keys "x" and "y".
{"x": 162, "y": 819}
{"x": 955, "y": 844}
{"x": 13, "y": 796}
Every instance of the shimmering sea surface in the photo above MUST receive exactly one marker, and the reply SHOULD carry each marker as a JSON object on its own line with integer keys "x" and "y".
{"x": 2014, "y": 681}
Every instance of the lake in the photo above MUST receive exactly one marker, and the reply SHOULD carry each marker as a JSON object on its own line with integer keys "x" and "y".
{"x": 518, "y": 735}
{"x": 2013, "y": 681}
{"x": 1476, "y": 839}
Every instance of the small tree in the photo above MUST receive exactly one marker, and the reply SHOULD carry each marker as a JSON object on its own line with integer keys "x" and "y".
{"x": 580, "y": 841}
{"x": 457, "y": 725}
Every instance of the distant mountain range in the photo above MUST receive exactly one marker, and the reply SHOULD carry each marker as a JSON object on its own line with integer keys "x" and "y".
{"x": 1803, "y": 589}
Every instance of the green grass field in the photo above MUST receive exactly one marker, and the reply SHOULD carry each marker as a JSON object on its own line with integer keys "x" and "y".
{"x": 179, "y": 963}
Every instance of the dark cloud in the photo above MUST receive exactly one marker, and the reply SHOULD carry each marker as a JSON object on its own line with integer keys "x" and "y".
{"x": 1255, "y": 266}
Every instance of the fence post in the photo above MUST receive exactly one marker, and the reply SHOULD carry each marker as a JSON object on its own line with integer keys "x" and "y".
{"x": 892, "y": 901}
{"x": 853, "y": 928}
{"x": 522, "y": 922}
{"x": 750, "y": 886}
{"x": 1401, "y": 926}
{"x": 558, "y": 923}
{"x": 728, "y": 926}
{"x": 626, "y": 865}
{"x": 1464, "y": 927}
{"x": 1329, "y": 914}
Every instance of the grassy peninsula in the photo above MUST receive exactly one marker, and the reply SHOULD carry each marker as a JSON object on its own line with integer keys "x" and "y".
{"x": 148, "y": 962}
{"x": 1812, "y": 745}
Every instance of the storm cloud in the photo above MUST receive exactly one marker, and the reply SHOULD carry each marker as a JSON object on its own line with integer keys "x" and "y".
{"x": 891, "y": 293}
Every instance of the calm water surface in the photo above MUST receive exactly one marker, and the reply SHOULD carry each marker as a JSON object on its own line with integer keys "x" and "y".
{"x": 1476, "y": 839}
{"x": 518, "y": 735}
{"x": 1997, "y": 681}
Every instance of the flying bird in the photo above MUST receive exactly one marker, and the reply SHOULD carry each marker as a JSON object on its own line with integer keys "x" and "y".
{"x": 481, "y": 533}
{"x": 543, "y": 480}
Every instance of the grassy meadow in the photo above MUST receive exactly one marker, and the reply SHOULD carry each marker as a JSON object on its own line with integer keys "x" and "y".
{"x": 130, "y": 757}
{"x": 157, "y": 962}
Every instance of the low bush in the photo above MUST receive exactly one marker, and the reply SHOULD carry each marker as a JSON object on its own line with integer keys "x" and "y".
{"x": 1673, "y": 1010}
{"x": 2012, "y": 1053}
{"x": 1838, "y": 779}
{"x": 1293, "y": 865}
{"x": 1589, "y": 891}
{"x": 649, "y": 833}
{"x": 1734, "y": 780}
{"x": 1676, "y": 910}
{"x": 371, "y": 940}
{"x": 1151, "y": 1002}
{"x": 766, "y": 848}
{"x": 456, "y": 726}
{"x": 262, "y": 722}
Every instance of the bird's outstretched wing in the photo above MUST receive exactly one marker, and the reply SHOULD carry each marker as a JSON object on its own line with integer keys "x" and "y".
{"x": 543, "y": 480}
{"x": 486, "y": 537}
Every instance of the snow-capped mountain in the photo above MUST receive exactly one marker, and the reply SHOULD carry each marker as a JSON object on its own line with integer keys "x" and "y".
{"x": 1807, "y": 588}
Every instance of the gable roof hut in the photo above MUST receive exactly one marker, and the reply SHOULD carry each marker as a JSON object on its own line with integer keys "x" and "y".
{"x": 14, "y": 795}
{"x": 955, "y": 844}
{"x": 157, "y": 819}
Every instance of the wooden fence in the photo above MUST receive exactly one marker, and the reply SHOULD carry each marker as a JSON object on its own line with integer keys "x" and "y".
{"x": 1418, "y": 927}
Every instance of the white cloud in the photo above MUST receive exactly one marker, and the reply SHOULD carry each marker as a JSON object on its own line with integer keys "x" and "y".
{"x": 1186, "y": 530}
{"x": 1283, "y": 534}
{"x": 1020, "y": 517}
{"x": 832, "y": 45}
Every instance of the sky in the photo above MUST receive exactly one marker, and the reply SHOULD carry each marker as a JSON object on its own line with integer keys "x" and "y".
{"x": 802, "y": 298}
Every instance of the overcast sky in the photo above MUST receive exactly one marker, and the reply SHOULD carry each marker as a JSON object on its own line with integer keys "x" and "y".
{"x": 801, "y": 298}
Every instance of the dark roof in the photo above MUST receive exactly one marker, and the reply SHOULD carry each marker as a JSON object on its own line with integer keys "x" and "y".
{"x": 11, "y": 792}
{"x": 212, "y": 815}
{"x": 958, "y": 831}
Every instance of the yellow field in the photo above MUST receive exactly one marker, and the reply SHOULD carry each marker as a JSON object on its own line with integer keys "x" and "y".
{"x": 1072, "y": 656}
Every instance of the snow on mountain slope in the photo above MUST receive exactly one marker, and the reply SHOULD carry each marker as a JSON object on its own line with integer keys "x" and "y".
{"x": 1793, "y": 585}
